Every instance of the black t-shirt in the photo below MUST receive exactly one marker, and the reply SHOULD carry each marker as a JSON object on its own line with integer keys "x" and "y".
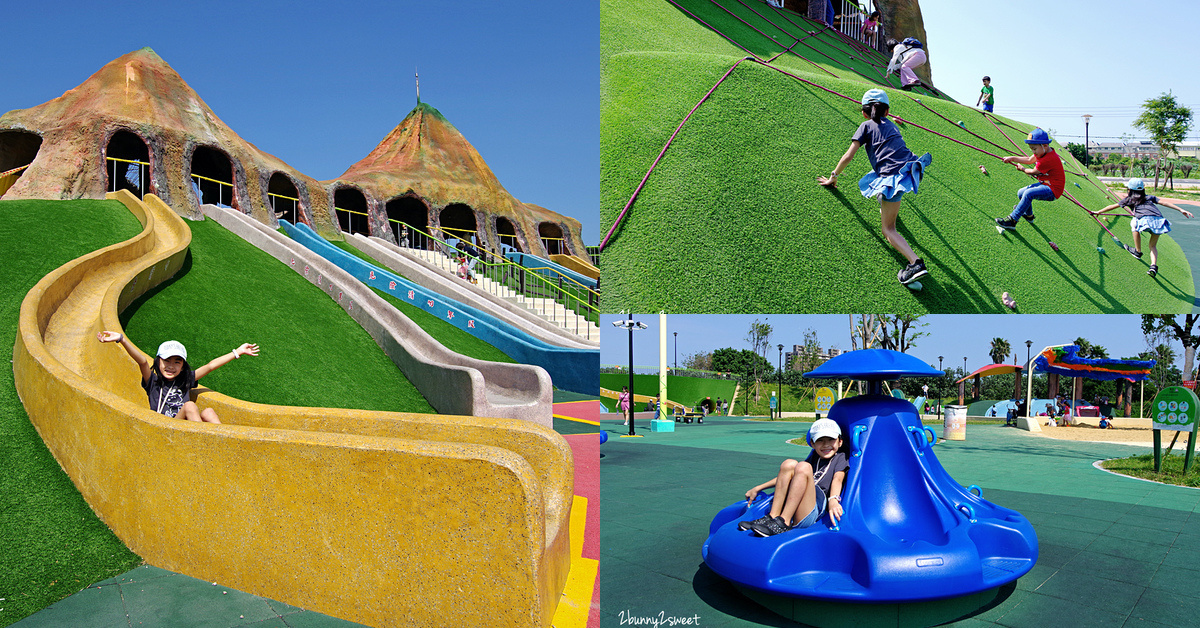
{"x": 168, "y": 396}
{"x": 823, "y": 471}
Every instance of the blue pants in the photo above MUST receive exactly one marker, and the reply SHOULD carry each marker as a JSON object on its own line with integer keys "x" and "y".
{"x": 1027, "y": 195}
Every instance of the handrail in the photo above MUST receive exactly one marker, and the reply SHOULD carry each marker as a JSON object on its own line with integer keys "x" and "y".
{"x": 557, "y": 291}
{"x": 199, "y": 176}
{"x": 141, "y": 179}
{"x": 128, "y": 161}
{"x": 282, "y": 196}
{"x": 350, "y": 211}
{"x": 220, "y": 188}
{"x": 14, "y": 170}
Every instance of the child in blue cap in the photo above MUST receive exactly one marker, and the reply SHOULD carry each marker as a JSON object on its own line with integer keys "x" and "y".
{"x": 894, "y": 171}
{"x": 1146, "y": 217}
{"x": 1051, "y": 178}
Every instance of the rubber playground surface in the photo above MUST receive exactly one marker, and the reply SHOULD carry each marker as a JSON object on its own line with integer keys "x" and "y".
{"x": 1187, "y": 234}
{"x": 1113, "y": 551}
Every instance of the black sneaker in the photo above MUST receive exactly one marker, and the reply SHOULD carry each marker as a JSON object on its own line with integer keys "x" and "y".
{"x": 746, "y": 525}
{"x": 1007, "y": 223}
{"x": 771, "y": 527}
{"x": 1028, "y": 216}
{"x": 1153, "y": 270}
{"x": 909, "y": 87}
{"x": 1134, "y": 252}
{"x": 912, "y": 272}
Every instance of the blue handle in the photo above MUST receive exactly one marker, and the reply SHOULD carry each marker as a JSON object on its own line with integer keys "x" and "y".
{"x": 967, "y": 510}
{"x": 975, "y": 488}
{"x": 932, "y": 436}
{"x": 918, "y": 434}
{"x": 854, "y": 444}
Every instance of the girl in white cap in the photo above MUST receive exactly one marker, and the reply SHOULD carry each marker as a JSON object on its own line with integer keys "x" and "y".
{"x": 169, "y": 380}
{"x": 1146, "y": 217}
{"x": 805, "y": 490}
{"x": 894, "y": 171}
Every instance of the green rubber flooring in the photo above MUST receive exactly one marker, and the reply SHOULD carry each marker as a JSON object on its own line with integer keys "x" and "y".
{"x": 152, "y": 597}
{"x": 1113, "y": 551}
{"x": 1187, "y": 233}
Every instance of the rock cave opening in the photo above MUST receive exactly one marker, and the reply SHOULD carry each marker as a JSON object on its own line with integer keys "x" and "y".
{"x": 127, "y": 164}
{"x": 458, "y": 221}
{"x": 212, "y": 177}
{"x": 413, "y": 212}
{"x": 552, "y": 238}
{"x": 284, "y": 198}
{"x": 350, "y": 205}
{"x": 507, "y": 233}
{"x": 17, "y": 151}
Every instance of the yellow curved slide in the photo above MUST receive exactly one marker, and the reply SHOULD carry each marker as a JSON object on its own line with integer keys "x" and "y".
{"x": 386, "y": 519}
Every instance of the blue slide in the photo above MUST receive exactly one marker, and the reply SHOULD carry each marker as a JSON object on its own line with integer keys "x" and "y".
{"x": 577, "y": 370}
{"x": 541, "y": 264}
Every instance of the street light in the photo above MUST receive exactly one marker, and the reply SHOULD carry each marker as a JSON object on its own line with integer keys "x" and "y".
{"x": 1087, "y": 117}
{"x": 676, "y": 350}
{"x": 781, "y": 381}
{"x": 630, "y": 325}
{"x": 939, "y": 403}
{"x": 1028, "y": 344}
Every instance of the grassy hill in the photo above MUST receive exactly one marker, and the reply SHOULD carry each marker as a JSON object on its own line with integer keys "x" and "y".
{"x": 686, "y": 390}
{"x": 732, "y": 219}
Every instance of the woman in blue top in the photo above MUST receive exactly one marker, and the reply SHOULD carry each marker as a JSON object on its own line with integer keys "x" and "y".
{"x": 1146, "y": 217}
{"x": 894, "y": 171}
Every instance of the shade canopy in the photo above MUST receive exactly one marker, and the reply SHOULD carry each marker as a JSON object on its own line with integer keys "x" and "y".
{"x": 993, "y": 369}
{"x": 1065, "y": 361}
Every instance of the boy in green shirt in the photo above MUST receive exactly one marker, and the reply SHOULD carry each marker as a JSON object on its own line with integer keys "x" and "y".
{"x": 985, "y": 94}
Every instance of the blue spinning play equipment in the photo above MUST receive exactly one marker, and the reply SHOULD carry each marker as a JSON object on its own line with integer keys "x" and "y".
{"x": 909, "y": 532}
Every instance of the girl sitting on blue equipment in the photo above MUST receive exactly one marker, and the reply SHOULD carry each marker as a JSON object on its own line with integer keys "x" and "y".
{"x": 894, "y": 171}
{"x": 1146, "y": 217}
{"x": 805, "y": 490}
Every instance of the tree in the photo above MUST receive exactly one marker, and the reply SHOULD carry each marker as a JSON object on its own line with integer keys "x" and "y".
{"x": 1159, "y": 327}
{"x": 1077, "y": 151}
{"x": 1000, "y": 349}
{"x": 809, "y": 356}
{"x": 1167, "y": 122}
{"x": 902, "y": 334}
{"x": 739, "y": 362}
{"x": 700, "y": 361}
{"x": 759, "y": 337}
{"x": 1089, "y": 350}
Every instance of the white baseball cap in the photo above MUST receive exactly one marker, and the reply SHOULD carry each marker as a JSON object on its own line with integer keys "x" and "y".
{"x": 171, "y": 348}
{"x": 822, "y": 428}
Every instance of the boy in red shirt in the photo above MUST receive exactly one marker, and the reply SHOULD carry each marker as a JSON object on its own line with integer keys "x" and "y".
{"x": 1047, "y": 167}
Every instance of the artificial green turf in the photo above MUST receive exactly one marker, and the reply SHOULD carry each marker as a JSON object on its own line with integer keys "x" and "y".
{"x": 312, "y": 353}
{"x": 451, "y": 337}
{"x": 689, "y": 391}
{"x": 732, "y": 219}
{"x": 54, "y": 545}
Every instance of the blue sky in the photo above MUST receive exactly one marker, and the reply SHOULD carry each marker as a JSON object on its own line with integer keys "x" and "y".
{"x": 320, "y": 84}
{"x": 950, "y": 336}
{"x": 1052, "y": 62}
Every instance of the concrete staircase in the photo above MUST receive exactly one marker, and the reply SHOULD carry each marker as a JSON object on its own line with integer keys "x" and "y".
{"x": 547, "y": 308}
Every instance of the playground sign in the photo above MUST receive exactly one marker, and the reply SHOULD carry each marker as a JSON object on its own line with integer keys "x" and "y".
{"x": 772, "y": 400}
{"x": 825, "y": 399}
{"x": 1174, "y": 408}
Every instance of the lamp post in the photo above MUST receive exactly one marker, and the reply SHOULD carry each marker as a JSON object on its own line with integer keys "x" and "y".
{"x": 939, "y": 403}
{"x": 676, "y": 350}
{"x": 630, "y": 325}
{"x": 1028, "y": 345}
{"x": 1087, "y": 117}
{"x": 780, "y": 381}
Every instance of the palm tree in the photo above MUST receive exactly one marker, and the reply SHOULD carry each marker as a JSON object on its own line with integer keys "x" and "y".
{"x": 1089, "y": 350}
{"x": 1000, "y": 349}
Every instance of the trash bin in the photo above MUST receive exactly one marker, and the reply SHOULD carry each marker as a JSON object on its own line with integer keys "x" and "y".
{"x": 956, "y": 423}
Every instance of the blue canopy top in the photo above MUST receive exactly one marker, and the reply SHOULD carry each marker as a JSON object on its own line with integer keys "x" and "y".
{"x": 873, "y": 364}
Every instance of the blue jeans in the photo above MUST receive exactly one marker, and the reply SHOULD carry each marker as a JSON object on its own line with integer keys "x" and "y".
{"x": 1027, "y": 195}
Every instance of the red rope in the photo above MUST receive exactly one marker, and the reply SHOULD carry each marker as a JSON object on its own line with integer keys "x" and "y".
{"x": 621, "y": 217}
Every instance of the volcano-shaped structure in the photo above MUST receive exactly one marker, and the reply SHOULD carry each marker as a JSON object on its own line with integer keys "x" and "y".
{"x": 428, "y": 176}
{"x": 136, "y": 124}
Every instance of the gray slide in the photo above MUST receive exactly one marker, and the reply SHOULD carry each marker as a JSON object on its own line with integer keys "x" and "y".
{"x": 428, "y": 276}
{"x": 451, "y": 382}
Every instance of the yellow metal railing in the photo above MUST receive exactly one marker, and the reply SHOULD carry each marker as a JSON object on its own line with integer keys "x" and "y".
{"x": 295, "y": 202}
{"x": 9, "y": 177}
{"x": 221, "y": 185}
{"x": 112, "y": 179}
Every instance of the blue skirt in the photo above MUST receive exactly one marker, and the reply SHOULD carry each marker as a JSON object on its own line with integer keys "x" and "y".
{"x": 1154, "y": 224}
{"x": 893, "y": 186}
